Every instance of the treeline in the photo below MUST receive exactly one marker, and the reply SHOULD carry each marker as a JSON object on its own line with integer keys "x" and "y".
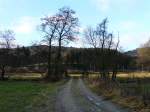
{"x": 82, "y": 59}
{"x": 36, "y": 55}
{"x": 101, "y": 55}
{"x": 87, "y": 59}
{"x": 22, "y": 56}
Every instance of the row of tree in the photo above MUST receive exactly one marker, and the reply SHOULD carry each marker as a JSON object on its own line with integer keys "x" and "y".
{"x": 100, "y": 39}
{"x": 57, "y": 31}
{"x": 7, "y": 38}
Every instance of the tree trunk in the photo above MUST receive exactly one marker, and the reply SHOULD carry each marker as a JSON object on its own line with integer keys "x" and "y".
{"x": 114, "y": 74}
{"x": 50, "y": 75}
{"x": 59, "y": 51}
{"x": 59, "y": 60}
{"x": 58, "y": 67}
{"x": 2, "y": 72}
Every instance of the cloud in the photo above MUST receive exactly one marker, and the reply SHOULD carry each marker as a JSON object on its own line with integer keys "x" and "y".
{"x": 107, "y": 5}
{"x": 103, "y": 5}
{"x": 133, "y": 40}
{"x": 77, "y": 43}
{"x": 25, "y": 29}
{"x": 128, "y": 25}
{"x": 132, "y": 33}
{"x": 25, "y": 25}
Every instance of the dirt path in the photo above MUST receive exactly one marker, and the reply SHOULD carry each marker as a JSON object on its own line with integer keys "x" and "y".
{"x": 76, "y": 97}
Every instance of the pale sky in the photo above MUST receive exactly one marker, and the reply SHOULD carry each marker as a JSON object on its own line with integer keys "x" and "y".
{"x": 131, "y": 18}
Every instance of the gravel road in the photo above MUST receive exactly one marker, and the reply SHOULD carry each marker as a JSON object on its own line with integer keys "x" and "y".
{"x": 76, "y": 97}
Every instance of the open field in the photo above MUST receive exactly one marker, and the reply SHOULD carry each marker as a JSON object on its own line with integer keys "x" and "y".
{"x": 24, "y": 92}
{"x": 39, "y": 76}
{"x": 24, "y": 76}
{"x": 75, "y": 75}
{"x": 135, "y": 74}
{"x": 126, "y": 74}
{"x": 27, "y": 96}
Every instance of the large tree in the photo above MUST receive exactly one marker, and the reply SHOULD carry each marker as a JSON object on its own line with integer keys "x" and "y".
{"x": 7, "y": 39}
{"x": 59, "y": 28}
{"x": 49, "y": 26}
{"x": 66, "y": 32}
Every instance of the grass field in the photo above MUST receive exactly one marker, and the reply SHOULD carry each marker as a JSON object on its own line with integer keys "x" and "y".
{"x": 27, "y": 96}
{"x": 24, "y": 76}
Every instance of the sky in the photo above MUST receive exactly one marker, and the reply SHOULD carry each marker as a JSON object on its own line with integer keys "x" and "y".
{"x": 131, "y": 18}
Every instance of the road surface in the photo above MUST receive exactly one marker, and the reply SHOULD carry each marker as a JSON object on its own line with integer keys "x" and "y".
{"x": 76, "y": 97}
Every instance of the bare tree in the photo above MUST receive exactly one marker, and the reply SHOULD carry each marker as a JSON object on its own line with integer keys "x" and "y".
{"x": 59, "y": 28}
{"x": 100, "y": 39}
{"x": 7, "y": 38}
{"x": 66, "y": 30}
{"x": 115, "y": 60}
{"x": 49, "y": 26}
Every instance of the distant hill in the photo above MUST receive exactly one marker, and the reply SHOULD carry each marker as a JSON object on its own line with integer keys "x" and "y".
{"x": 133, "y": 53}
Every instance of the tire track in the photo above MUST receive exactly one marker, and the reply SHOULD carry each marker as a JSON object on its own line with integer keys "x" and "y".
{"x": 76, "y": 97}
{"x": 103, "y": 105}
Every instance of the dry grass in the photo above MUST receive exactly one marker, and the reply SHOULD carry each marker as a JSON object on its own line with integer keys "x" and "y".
{"x": 24, "y": 76}
{"x": 134, "y": 74}
{"x": 75, "y": 75}
{"x": 131, "y": 102}
{"x": 127, "y": 75}
{"x": 135, "y": 103}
